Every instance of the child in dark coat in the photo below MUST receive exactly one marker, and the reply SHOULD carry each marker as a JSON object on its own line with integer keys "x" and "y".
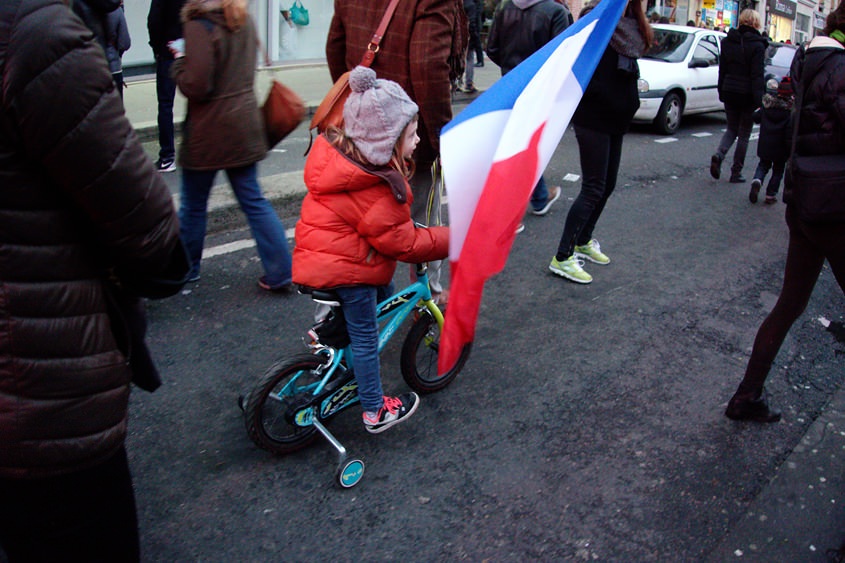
{"x": 775, "y": 138}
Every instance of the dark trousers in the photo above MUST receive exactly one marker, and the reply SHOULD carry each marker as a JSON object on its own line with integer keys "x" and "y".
{"x": 600, "y": 155}
{"x": 776, "y": 167}
{"x": 166, "y": 93}
{"x": 87, "y": 516}
{"x": 740, "y": 122}
{"x": 809, "y": 245}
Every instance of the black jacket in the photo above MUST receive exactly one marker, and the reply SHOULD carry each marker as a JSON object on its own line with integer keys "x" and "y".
{"x": 741, "y": 82}
{"x": 79, "y": 199}
{"x": 164, "y": 24}
{"x": 820, "y": 72}
{"x": 611, "y": 98}
{"x": 521, "y": 27}
{"x": 775, "y": 128}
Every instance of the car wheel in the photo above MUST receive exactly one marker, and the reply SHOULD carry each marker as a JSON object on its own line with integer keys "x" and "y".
{"x": 669, "y": 116}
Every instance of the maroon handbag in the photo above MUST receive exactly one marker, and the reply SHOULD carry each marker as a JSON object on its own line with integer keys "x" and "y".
{"x": 283, "y": 110}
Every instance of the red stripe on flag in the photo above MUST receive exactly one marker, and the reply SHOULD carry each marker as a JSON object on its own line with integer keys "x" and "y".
{"x": 486, "y": 247}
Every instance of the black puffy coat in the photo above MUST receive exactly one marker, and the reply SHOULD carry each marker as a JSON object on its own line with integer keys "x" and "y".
{"x": 521, "y": 27}
{"x": 79, "y": 197}
{"x": 741, "y": 82}
{"x": 775, "y": 139}
{"x": 820, "y": 72}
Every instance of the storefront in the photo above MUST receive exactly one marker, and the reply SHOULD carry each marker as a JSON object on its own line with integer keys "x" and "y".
{"x": 780, "y": 20}
{"x": 720, "y": 14}
{"x": 286, "y": 41}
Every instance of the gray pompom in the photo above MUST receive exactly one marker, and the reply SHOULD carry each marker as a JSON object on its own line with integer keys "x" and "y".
{"x": 362, "y": 79}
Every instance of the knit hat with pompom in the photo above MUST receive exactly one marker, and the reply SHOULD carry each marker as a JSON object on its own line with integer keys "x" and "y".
{"x": 375, "y": 114}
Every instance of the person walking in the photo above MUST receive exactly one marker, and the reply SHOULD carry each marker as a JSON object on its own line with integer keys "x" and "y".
{"x": 519, "y": 29}
{"x": 475, "y": 53}
{"x": 600, "y": 121}
{"x": 775, "y": 138}
{"x": 224, "y": 131}
{"x": 423, "y": 49}
{"x": 86, "y": 225}
{"x": 741, "y": 87}
{"x": 819, "y": 81}
{"x": 356, "y": 223}
{"x": 165, "y": 25}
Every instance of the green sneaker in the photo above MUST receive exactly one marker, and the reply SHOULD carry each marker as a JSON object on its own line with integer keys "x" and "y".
{"x": 592, "y": 252}
{"x": 571, "y": 269}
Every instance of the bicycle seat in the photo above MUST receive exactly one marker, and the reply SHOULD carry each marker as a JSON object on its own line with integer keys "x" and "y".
{"x": 325, "y": 296}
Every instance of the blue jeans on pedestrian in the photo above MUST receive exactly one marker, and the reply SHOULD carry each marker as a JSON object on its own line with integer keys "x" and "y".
{"x": 359, "y": 304}
{"x": 266, "y": 227}
{"x": 540, "y": 195}
{"x": 600, "y": 155}
{"x": 165, "y": 93}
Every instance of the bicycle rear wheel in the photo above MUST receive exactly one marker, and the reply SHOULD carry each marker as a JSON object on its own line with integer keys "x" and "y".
{"x": 419, "y": 357}
{"x": 285, "y": 389}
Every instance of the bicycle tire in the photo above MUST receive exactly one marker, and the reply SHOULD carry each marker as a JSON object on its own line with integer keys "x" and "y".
{"x": 268, "y": 424}
{"x": 420, "y": 351}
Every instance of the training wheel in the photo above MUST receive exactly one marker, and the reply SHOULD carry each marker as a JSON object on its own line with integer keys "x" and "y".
{"x": 349, "y": 473}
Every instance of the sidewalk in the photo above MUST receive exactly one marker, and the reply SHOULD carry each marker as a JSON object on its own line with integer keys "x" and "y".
{"x": 310, "y": 81}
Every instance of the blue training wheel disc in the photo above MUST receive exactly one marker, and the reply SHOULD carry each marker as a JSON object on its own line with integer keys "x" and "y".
{"x": 349, "y": 474}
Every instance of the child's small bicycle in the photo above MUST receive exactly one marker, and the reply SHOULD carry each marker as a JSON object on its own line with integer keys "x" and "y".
{"x": 297, "y": 395}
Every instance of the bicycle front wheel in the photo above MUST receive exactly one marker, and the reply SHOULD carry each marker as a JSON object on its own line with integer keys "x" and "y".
{"x": 419, "y": 357}
{"x": 285, "y": 389}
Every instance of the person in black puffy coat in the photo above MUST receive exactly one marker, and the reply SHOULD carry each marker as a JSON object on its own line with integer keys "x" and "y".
{"x": 775, "y": 138}
{"x": 81, "y": 209}
{"x": 818, "y": 72}
{"x": 741, "y": 86}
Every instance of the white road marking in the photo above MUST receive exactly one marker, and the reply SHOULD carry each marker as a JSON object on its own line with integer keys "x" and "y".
{"x": 666, "y": 140}
{"x": 235, "y": 246}
{"x": 571, "y": 177}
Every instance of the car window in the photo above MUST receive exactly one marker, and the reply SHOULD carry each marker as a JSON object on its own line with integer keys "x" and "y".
{"x": 669, "y": 45}
{"x": 780, "y": 55}
{"x": 707, "y": 50}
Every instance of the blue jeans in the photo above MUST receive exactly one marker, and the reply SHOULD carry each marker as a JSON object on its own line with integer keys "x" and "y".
{"x": 266, "y": 227}
{"x": 359, "y": 308}
{"x": 540, "y": 195}
{"x": 165, "y": 92}
{"x": 600, "y": 155}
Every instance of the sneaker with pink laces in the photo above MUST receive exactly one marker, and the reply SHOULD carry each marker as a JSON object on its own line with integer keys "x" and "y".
{"x": 393, "y": 411}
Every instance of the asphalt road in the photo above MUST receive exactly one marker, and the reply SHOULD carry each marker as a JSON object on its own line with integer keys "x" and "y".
{"x": 586, "y": 426}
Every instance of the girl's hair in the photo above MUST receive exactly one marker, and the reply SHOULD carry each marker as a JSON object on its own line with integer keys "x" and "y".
{"x": 635, "y": 10}
{"x": 234, "y": 11}
{"x": 835, "y": 19}
{"x": 750, "y": 17}
{"x": 344, "y": 144}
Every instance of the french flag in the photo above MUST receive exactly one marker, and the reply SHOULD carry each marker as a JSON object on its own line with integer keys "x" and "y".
{"x": 495, "y": 151}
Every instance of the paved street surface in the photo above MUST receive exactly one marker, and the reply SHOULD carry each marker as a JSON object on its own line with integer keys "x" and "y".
{"x": 587, "y": 425}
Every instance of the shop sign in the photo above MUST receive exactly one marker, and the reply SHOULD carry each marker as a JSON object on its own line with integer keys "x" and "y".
{"x": 785, "y": 8}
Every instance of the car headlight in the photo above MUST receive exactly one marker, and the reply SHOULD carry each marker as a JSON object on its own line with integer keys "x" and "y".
{"x": 642, "y": 85}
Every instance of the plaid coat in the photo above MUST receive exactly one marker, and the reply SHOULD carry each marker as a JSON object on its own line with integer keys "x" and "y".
{"x": 423, "y": 49}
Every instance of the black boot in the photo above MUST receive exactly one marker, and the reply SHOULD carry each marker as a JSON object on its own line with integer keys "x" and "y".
{"x": 750, "y": 406}
{"x": 716, "y": 166}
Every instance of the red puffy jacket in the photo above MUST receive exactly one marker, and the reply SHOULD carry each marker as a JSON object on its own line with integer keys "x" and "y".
{"x": 356, "y": 223}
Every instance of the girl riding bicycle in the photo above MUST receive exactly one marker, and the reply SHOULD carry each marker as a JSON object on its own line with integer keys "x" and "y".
{"x": 356, "y": 223}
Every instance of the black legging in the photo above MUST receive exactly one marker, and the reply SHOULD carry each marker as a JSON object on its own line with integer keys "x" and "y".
{"x": 600, "y": 154}
{"x": 809, "y": 245}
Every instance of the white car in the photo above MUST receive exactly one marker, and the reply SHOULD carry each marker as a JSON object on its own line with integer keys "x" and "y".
{"x": 679, "y": 75}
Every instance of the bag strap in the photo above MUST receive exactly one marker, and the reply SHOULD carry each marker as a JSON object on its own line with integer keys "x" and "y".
{"x": 373, "y": 45}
